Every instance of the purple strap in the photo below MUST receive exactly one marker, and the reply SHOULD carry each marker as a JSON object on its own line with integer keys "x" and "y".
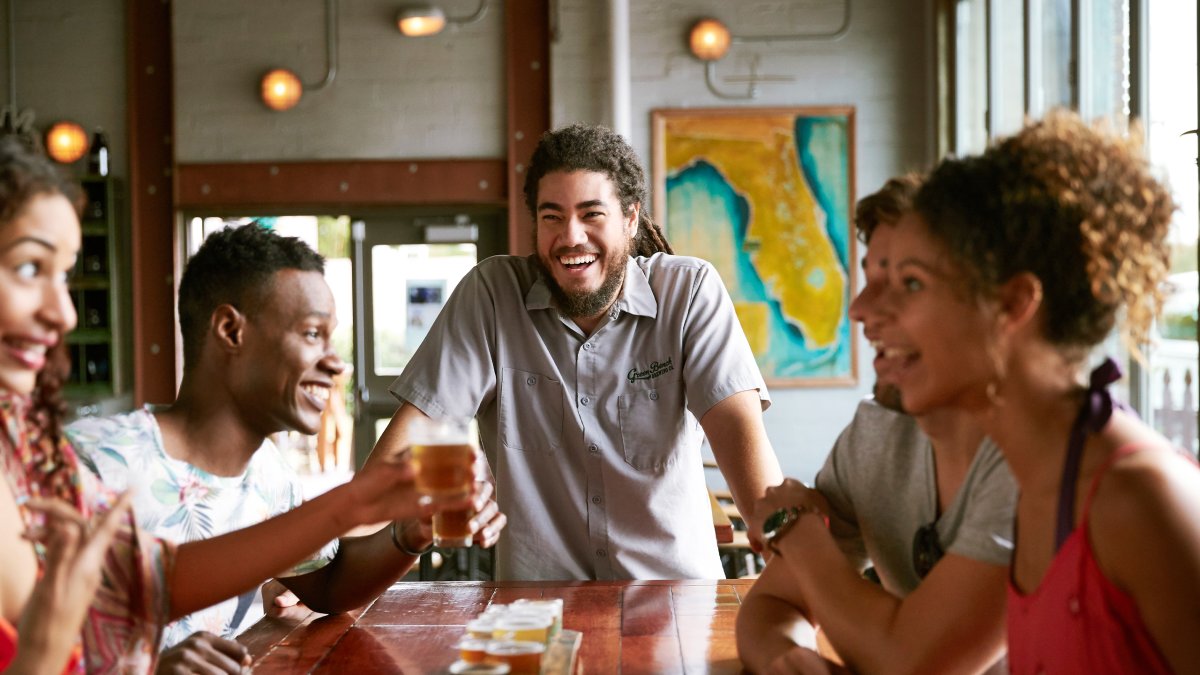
{"x": 1095, "y": 412}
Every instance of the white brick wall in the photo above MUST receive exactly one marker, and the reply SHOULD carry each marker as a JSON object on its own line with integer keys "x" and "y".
{"x": 393, "y": 96}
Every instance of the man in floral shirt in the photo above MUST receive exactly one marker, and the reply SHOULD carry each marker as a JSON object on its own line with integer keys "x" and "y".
{"x": 256, "y": 317}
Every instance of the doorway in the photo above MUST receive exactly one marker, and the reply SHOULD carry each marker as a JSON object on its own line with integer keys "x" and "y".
{"x": 406, "y": 266}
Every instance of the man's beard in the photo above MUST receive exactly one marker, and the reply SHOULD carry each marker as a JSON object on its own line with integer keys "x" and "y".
{"x": 588, "y": 304}
{"x": 888, "y": 396}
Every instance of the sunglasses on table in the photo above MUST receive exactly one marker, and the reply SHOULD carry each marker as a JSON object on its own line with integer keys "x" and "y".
{"x": 926, "y": 549}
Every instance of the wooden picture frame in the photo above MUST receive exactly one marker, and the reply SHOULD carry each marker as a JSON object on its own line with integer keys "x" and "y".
{"x": 767, "y": 196}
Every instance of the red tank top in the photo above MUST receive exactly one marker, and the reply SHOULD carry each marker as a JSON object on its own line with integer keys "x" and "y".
{"x": 1076, "y": 620}
{"x": 8, "y": 644}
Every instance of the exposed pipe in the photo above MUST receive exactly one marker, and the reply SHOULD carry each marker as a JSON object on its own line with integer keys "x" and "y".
{"x": 331, "y": 47}
{"x": 618, "y": 28}
{"x": 12, "y": 57}
{"x": 12, "y": 120}
{"x": 835, "y": 35}
{"x": 479, "y": 12}
{"x": 710, "y": 67}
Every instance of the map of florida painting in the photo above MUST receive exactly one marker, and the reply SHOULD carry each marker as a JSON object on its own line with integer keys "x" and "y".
{"x": 765, "y": 196}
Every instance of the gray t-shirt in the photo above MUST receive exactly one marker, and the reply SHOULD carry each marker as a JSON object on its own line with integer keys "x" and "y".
{"x": 881, "y": 484}
{"x": 594, "y": 440}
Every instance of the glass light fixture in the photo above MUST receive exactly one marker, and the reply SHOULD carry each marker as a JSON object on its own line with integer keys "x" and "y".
{"x": 709, "y": 40}
{"x": 420, "y": 20}
{"x": 66, "y": 142}
{"x": 281, "y": 89}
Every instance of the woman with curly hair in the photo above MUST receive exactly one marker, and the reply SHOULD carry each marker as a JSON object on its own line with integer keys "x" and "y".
{"x": 81, "y": 588}
{"x": 1014, "y": 266}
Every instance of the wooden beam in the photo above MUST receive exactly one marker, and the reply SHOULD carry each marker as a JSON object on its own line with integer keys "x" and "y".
{"x": 348, "y": 183}
{"x": 527, "y": 51}
{"x": 151, "y": 191}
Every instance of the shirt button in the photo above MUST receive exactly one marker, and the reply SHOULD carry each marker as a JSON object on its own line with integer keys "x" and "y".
{"x": 654, "y": 396}
{"x": 531, "y": 380}
{"x": 1073, "y": 605}
{"x": 593, "y": 449}
{"x": 585, "y": 400}
{"x": 596, "y": 500}
{"x": 600, "y": 553}
{"x": 587, "y": 345}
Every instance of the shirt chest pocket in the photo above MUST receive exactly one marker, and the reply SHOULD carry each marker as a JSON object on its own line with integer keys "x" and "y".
{"x": 653, "y": 424}
{"x": 531, "y": 411}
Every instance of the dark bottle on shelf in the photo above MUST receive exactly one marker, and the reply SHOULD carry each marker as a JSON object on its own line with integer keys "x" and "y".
{"x": 98, "y": 157}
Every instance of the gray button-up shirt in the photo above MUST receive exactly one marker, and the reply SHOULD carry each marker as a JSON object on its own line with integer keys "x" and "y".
{"x": 594, "y": 440}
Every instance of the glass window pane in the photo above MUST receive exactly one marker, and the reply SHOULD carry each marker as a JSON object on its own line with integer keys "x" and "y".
{"x": 1050, "y": 49}
{"x": 1008, "y": 67}
{"x": 409, "y": 285}
{"x": 1105, "y": 78}
{"x": 1172, "y": 110}
{"x": 970, "y": 87}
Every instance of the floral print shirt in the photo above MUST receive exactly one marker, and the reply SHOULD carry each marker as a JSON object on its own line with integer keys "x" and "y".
{"x": 181, "y": 502}
{"x": 121, "y": 632}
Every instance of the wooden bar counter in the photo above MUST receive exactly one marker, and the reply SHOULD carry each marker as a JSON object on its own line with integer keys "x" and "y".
{"x": 627, "y": 626}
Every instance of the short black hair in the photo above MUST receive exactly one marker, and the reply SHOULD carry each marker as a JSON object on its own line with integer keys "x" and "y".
{"x": 235, "y": 266}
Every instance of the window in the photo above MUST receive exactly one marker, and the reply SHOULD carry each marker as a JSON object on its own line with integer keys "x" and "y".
{"x": 1113, "y": 59}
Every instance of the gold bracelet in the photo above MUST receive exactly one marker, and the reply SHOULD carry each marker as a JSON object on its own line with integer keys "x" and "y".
{"x": 399, "y": 544}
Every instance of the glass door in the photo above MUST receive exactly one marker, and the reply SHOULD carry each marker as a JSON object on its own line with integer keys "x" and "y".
{"x": 405, "y": 268}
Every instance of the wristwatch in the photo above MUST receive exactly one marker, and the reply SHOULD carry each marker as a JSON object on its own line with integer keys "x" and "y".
{"x": 778, "y": 523}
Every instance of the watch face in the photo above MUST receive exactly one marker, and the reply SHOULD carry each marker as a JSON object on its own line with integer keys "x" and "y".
{"x": 776, "y": 520}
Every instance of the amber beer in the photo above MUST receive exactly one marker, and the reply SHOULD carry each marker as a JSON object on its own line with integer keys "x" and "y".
{"x": 452, "y": 529}
{"x": 444, "y": 472}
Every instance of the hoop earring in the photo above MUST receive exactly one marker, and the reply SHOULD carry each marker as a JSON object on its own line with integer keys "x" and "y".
{"x": 993, "y": 394}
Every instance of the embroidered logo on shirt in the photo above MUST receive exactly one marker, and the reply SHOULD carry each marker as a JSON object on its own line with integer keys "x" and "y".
{"x": 657, "y": 368}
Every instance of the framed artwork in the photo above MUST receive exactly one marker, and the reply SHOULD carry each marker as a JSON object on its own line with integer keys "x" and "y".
{"x": 767, "y": 196}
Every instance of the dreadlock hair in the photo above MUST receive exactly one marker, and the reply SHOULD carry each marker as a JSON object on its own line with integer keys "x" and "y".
{"x": 592, "y": 147}
{"x": 234, "y": 266}
{"x": 24, "y": 175}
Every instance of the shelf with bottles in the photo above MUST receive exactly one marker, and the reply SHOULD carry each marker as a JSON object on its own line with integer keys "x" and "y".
{"x": 94, "y": 344}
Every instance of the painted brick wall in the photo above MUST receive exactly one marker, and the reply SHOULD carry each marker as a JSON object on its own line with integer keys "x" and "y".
{"x": 393, "y": 96}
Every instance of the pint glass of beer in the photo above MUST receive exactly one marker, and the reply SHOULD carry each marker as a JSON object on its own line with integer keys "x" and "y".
{"x": 443, "y": 459}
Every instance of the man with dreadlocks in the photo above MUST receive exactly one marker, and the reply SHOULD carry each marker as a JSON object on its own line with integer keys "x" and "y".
{"x": 587, "y": 366}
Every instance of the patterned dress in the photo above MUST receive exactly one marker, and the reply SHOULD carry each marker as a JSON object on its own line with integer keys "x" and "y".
{"x": 122, "y": 629}
{"x": 180, "y": 502}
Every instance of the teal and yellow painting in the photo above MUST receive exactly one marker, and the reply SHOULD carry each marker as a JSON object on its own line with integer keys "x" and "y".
{"x": 766, "y": 196}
